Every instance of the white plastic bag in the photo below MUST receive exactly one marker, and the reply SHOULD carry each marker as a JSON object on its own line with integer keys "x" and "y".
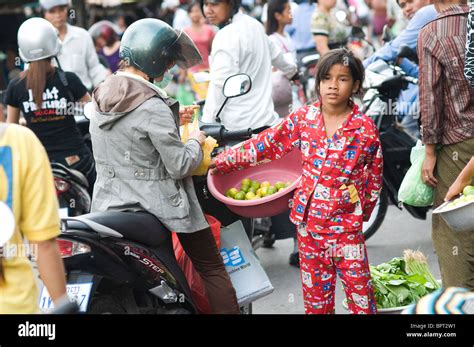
{"x": 242, "y": 264}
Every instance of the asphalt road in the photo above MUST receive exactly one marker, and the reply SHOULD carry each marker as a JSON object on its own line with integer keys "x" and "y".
{"x": 398, "y": 232}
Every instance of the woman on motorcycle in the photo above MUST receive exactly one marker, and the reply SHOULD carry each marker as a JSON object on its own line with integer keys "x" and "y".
{"x": 47, "y": 97}
{"x": 142, "y": 164}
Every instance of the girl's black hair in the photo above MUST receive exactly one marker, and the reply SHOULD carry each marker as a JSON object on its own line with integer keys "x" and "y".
{"x": 274, "y": 6}
{"x": 191, "y": 5}
{"x": 344, "y": 57}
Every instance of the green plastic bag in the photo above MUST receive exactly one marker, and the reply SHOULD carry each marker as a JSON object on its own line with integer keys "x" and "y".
{"x": 184, "y": 94}
{"x": 413, "y": 191}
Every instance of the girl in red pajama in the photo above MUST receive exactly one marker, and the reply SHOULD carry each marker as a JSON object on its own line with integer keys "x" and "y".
{"x": 341, "y": 182}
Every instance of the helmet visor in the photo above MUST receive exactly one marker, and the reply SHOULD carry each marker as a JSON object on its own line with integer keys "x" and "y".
{"x": 184, "y": 52}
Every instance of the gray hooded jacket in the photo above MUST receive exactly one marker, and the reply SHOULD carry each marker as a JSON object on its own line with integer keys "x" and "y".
{"x": 141, "y": 163}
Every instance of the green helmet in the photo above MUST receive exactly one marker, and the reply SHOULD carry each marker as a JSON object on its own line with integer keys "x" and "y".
{"x": 150, "y": 45}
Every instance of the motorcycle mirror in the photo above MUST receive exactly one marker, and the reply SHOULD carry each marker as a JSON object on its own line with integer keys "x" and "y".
{"x": 7, "y": 228}
{"x": 237, "y": 85}
{"x": 89, "y": 110}
{"x": 357, "y": 32}
{"x": 341, "y": 16}
{"x": 386, "y": 34}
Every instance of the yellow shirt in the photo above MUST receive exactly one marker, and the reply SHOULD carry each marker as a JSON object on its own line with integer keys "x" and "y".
{"x": 27, "y": 187}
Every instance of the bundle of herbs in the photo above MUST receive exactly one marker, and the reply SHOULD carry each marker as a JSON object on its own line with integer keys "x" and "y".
{"x": 402, "y": 281}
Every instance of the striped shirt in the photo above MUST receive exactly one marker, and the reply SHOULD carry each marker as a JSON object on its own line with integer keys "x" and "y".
{"x": 446, "y": 99}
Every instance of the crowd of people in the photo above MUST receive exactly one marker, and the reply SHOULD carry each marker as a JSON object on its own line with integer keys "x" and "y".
{"x": 126, "y": 72}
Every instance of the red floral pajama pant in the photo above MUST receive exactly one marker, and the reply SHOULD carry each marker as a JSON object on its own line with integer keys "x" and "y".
{"x": 322, "y": 256}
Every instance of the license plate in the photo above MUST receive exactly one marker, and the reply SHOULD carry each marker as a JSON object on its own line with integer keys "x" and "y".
{"x": 79, "y": 292}
{"x": 63, "y": 212}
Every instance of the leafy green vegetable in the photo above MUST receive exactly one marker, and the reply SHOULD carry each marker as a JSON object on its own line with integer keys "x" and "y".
{"x": 416, "y": 263}
{"x": 395, "y": 285}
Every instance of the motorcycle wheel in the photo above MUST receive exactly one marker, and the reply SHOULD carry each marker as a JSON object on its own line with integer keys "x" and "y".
{"x": 378, "y": 215}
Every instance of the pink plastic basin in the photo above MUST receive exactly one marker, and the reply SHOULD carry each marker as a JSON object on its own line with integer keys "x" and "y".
{"x": 288, "y": 168}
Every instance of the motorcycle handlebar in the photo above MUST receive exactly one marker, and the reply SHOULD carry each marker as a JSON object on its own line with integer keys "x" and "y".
{"x": 259, "y": 130}
{"x": 237, "y": 135}
{"x": 222, "y": 135}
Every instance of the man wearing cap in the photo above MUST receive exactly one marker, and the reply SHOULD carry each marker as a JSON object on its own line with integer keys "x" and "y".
{"x": 78, "y": 54}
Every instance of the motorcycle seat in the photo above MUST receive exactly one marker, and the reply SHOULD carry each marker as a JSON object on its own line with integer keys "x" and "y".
{"x": 141, "y": 227}
{"x": 79, "y": 177}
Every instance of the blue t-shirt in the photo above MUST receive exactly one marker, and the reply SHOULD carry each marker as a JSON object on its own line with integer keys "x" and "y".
{"x": 300, "y": 29}
{"x": 409, "y": 37}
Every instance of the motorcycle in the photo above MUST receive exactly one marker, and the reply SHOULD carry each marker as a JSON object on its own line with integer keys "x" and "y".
{"x": 71, "y": 185}
{"x": 124, "y": 262}
{"x": 71, "y": 190}
{"x": 307, "y": 74}
{"x": 255, "y": 229}
{"x": 383, "y": 83}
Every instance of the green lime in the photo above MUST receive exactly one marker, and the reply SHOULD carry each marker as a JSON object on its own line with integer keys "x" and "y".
{"x": 271, "y": 190}
{"x": 245, "y": 188}
{"x": 231, "y": 192}
{"x": 250, "y": 196}
{"x": 255, "y": 184}
{"x": 468, "y": 190}
{"x": 246, "y": 182}
{"x": 279, "y": 185}
{"x": 240, "y": 196}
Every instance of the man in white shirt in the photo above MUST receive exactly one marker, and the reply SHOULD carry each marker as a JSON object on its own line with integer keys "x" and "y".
{"x": 77, "y": 54}
{"x": 241, "y": 46}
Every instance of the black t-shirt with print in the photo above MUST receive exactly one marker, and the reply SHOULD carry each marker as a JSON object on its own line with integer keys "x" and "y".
{"x": 54, "y": 123}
